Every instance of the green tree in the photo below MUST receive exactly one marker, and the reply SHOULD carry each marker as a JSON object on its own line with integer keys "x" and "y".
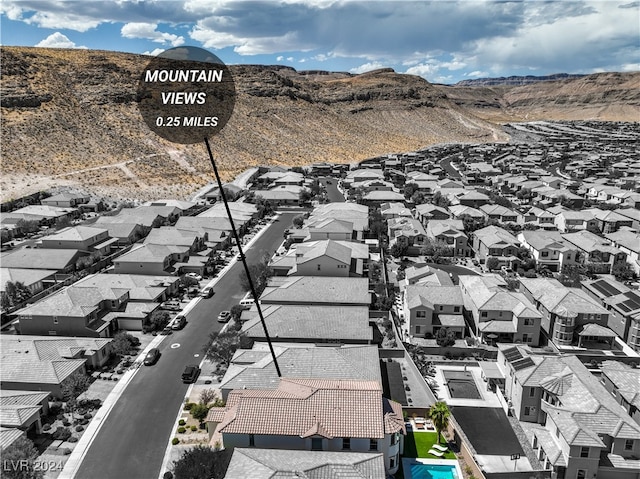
{"x": 20, "y": 450}
{"x": 27, "y": 226}
{"x": 439, "y": 415}
{"x": 410, "y": 189}
{"x": 72, "y": 388}
{"x": 445, "y": 337}
{"x": 159, "y": 320}
{"x": 305, "y": 195}
{"x": 492, "y": 263}
{"x": 298, "y": 221}
{"x": 202, "y": 462}
{"x": 16, "y": 292}
{"x": 398, "y": 250}
{"x": 236, "y": 312}
{"x": 622, "y": 271}
{"x": 260, "y": 274}
{"x": 439, "y": 200}
{"x": 124, "y": 343}
{"x": 221, "y": 346}
{"x": 199, "y": 412}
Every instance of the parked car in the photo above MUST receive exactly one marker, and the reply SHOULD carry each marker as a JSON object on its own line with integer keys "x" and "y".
{"x": 152, "y": 357}
{"x": 171, "y": 305}
{"x": 166, "y": 331}
{"x": 190, "y": 374}
{"x": 207, "y": 292}
{"x": 195, "y": 276}
{"x": 179, "y": 322}
{"x": 224, "y": 316}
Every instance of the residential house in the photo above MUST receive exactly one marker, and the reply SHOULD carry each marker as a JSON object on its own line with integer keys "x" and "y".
{"x": 429, "y": 308}
{"x": 216, "y": 231}
{"x": 61, "y": 261}
{"x": 272, "y": 463}
{"x": 633, "y": 214}
{"x": 495, "y": 242}
{"x": 609, "y": 221}
{"x": 500, "y": 213}
{"x": 569, "y": 315}
{"x": 451, "y": 233}
{"x": 568, "y": 221}
{"x": 408, "y": 233}
{"x": 66, "y": 200}
{"x": 173, "y": 236}
{"x": 309, "y": 323}
{"x": 281, "y": 195}
{"x": 23, "y": 410}
{"x": 185, "y": 207}
{"x": 458, "y": 211}
{"x": 542, "y": 218}
{"x": 427, "y": 212}
{"x": 595, "y": 251}
{"x": 330, "y": 229}
{"x": 629, "y": 243}
{"x": 549, "y": 249}
{"x": 425, "y": 275}
{"x": 324, "y": 258}
{"x": 41, "y": 363}
{"x": 363, "y": 174}
{"x": 286, "y": 264}
{"x": 623, "y": 305}
{"x": 496, "y": 314}
{"x": 231, "y": 191}
{"x": 395, "y": 210}
{"x": 124, "y": 233}
{"x": 254, "y": 369}
{"x": 326, "y": 291}
{"x": 357, "y": 215}
{"x": 33, "y": 279}
{"x": 300, "y": 414}
{"x": 151, "y": 259}
{"x": 471, "y": 198}
{"x": 82, "y": 238}
{"x": 373, "y": 185}
{"x": 43, "y": 214}
{"x": 575, "y": 427}
{"x": 376, "y": 198}
{"x": 623, "y": 383}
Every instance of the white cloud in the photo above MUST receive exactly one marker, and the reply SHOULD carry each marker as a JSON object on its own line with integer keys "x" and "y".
{"x": 58, "y": 40}
{"x": 150, "y": 31}
{"x": 477, "y": 74}
{"x": 67, "y": 21}
{"x": 631, "y": 67}
{"x": 425, "y": 70}
{"x": 280, "y": 58}
{"x": 367, "y": 67}
{"x": 155, "y": 52}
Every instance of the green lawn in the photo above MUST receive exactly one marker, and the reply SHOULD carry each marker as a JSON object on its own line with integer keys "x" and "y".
{"x": 417, "y": 444}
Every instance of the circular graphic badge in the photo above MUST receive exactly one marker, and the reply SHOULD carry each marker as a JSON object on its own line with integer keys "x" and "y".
{"x": 186, "y": 94}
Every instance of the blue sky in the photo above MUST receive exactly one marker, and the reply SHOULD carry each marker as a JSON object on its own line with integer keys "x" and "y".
{"x": 444, "y": 41}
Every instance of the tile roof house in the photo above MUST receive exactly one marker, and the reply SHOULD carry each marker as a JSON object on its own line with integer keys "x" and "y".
{"x": 313, "y": 415}
{"x": 66, "y": 200}
{"x": 574, "y": 425}
{"x": 151, "y": 259}
{"x": 623, "y": 306}
{"x": 81, "y": 238}
{"x": 395, "y": 210}
{"x": 326, "y": 290}
{"x": 254, "y": 368}
{"x": 125, "y": 233}
{"x": 286, "y": 264}
{"x": 310, "y": 324}
{"x": 459, "y": 210}
{"x": 281, "y": 195}
{"x": 379, "y": 197}
{"x": 283, "y": 463}
{"x": 407, "y": 232}
{"x": 22, "y": 410}
{"x": 330, "y": 229}
{"x": 427, "y": 212}
{"x": 429, "y": 308}
{"x": 34, "y": 279}
{"x": 61, "y": 261}
{"x": 629, "y": 243}
{"x": 595, "y": 251}
{"x": 609, "y": 221}
{"x": 173, "y": 236}
{"x": 325, "y": 258}
{"x": 451, "y": 233}
{"x": 496, "y": 242}
{"x": 549, "y": 249}
{"x": 499, "y": 315}
{"x": 543, "y": 218}
{"x": 500, "y": 213}
{"x": 357, "y": 215}
{"x": 425, "y": 275}
{"x": 623, "y": 382}
{"x": 565, "y": 311}
{"x": 568, "y": 221}
{"x": 216, "y": 231}
{"x": 42, "y": 363}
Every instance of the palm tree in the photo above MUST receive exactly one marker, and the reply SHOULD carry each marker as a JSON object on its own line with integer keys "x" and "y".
{"x": 439, "y": 414}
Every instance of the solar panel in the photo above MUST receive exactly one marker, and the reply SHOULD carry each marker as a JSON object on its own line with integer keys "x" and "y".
{"x": 633, "y": 295}
{"x": 605, "y": 288}
{"x": 512, "y": 354}
{"x": 523, "y": 363}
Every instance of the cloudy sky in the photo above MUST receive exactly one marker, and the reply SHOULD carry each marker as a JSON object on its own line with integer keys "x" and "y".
{"x": 443, "y": 40}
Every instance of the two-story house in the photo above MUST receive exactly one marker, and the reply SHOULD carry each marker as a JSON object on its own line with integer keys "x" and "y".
{"x": 500, "y": 213}
{"x": 451, "y": 233}
{"x": 568, "y": 221}
{"x": 496, "y": 314}
{"x": 429, "y": 308}
{"x": 542, "y": 218}
{"x": 301, "y": 414}
{"x": 549, "y": 249}
{"x": 80, "y": 238}
{"x": 426, "y": 212}
{"x": 595, "y": 251}
{"x": 496, "y": 242}
{"x": 629, "y": 243}
{"x": 609, "y": 221}
{"x": 408, "y": 233}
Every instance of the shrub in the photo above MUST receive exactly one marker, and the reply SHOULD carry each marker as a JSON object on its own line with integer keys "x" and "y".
{"x": 65, "y": 422}
{"x": 182, "y": 429}
{"x": 46, "y": 426}
{"x": 60, "y": 417}
{"x": 182, "y": 422}
{"x": 88, "y": 416}
{"x": 72, "y": 439}
{"x": 62, "y": 433}
{"x": 194, "y": 428}
{"x": 66, "y": 451}
{"x": 175, "y": 441}
{"x": 84, "y": 422}
{"x": 189, "y": 405}
{"x": 79, "y": 428}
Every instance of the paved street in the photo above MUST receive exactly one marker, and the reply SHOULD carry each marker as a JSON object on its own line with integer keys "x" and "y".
{"x": 331, "y": 185}
{"x": 132, "y": 442}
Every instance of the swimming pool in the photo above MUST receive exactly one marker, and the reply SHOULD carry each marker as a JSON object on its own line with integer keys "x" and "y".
{"x": 461, "y": 384}
{"x": 433, "y": 471}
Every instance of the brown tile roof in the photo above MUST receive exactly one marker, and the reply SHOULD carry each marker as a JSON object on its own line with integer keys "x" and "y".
{"x": 303, "y": 407}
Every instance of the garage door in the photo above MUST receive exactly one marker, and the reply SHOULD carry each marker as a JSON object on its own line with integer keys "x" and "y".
{"x": 130, "y": 324}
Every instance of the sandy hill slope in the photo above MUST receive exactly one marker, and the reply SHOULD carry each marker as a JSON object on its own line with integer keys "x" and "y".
{"x": 70, "y": 117}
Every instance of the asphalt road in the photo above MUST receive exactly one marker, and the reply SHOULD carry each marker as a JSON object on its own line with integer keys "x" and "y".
{"x": 333, "y": 193}
{"x": 132, "y": 442}
{"x": 452, "y": 173}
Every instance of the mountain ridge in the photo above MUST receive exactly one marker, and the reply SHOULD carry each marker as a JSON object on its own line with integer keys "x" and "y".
{"x": 70, "y": 117}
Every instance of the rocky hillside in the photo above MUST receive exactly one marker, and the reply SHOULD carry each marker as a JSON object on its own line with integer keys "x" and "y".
{"x": 70, "y": 117}
{"x": 516, "y": 80}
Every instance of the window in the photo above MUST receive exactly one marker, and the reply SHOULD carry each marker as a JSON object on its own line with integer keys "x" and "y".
{"x": 316, "y": 444}
{"x": 527, "y": 411}
{"x": 441, "y": 307}
{"x": 483, "y": 314}
{"x": 456, "y": 309}
{"x": 318, "y": 267}
{"x": 55, "y": 320}
{"x": 532, "y": 392}
{"x": 373, "y": 444}
{"x": 628, "y": 445}
{"x": 421, "y": 314}
{"x": 393, "y": 461}
{"x": 528, "y": 321}
{"x": 417, "y": 329}
{"x": 252, "y": 440}
{"x": 346, "y": 443}
{"x": 544, "y": 254}
{"x": 581, "y": 474}
{"x": 394, "y": 439}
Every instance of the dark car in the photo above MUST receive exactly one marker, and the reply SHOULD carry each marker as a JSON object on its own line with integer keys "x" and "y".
{"x": 152, "y": 357}
{"x": 190, "y": 374}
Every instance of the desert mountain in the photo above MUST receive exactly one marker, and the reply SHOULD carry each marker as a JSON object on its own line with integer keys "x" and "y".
{"x": 70, "y": 117}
